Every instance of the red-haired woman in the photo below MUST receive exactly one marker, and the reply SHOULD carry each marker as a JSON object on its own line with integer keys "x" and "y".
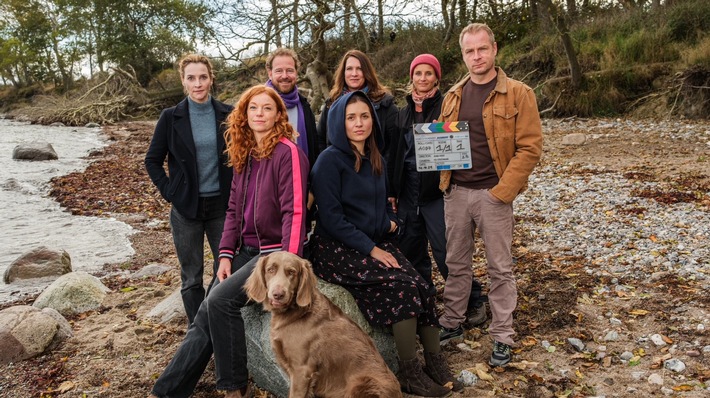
{"x": 267, "y": 212}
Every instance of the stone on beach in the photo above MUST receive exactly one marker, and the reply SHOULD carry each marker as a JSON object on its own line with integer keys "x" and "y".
{"x": 73, "y": 293}
{"x": 38, "y": 263}
{"x": 35, "y": 151}
{"x": 26, "y": 331}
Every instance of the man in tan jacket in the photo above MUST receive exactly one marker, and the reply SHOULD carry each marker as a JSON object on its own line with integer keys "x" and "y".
{"x": 505, "y": 134}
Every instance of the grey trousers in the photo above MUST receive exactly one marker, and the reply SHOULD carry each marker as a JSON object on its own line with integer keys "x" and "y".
{"x": 465, "y": 210}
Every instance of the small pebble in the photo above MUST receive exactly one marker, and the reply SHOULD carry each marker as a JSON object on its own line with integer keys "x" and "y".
{"x": 657, "y": 339}
{"x": 637, "y": 375}
{"x": 626, "y": 355}
{"x": 667, "y": 391}
{"x": 576, "y": 343}
{"x": 615, "y": 322}
{"x": 655, "y": 378}
{"x": 692, "y": 353}
{"x": 675, "y": 365}
{"x": 464, "y": 347}
{"x": 612, "y": 336}
{"x": 467, "y": 378}
{"x": 545, "y": 344}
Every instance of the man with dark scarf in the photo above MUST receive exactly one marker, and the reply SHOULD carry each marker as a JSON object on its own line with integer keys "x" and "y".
{"x": 282, "y": 66}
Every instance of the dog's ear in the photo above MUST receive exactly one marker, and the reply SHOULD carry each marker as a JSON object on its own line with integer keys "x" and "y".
{"x": 255, "y": 287}
{"x": 306, "y": 285}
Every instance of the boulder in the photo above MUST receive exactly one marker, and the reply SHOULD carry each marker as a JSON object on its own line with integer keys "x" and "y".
{"x": 171, "y": 308}
{"x": 38, "y": 263}
{"x": 153, "y": 269}
{"x": 262, "y": 364}
{"x": 575, "y": 139}
{"x": 27, "y": 331}
{"x": 35, "y": 151}
{"x": 73, "y": 293}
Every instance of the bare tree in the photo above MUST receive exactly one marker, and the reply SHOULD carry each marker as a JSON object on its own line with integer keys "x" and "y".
{"x": 560, "y": 22}
{"x": 452, "y": 20}
{"x": 294, "y": 22}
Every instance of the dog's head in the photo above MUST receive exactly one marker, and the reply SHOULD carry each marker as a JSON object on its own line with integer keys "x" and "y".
{"x": 280, "y": 281}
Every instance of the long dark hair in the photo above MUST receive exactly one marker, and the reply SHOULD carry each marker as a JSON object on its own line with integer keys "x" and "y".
{"x": 375, "y": 90}
{"x": 371, "y": 142}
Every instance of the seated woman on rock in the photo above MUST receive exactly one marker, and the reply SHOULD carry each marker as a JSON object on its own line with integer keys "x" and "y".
{"x": 352, "y": 245}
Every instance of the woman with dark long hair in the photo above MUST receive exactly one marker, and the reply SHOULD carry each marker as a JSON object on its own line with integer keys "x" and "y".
{"x": 356, "y": 72}
{"x": 353, "y": 245}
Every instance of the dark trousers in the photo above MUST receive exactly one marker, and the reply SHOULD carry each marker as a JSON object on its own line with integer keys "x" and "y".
{"x": 424, "y": 223}
{"x": 189, "y": 239}
{"x": 218, "y": 328}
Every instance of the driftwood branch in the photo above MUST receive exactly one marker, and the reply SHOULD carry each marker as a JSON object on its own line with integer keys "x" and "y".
{"x": 554, "y": 104}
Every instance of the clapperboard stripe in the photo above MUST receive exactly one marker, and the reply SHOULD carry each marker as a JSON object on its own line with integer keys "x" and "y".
{"x": 440, "y": 127}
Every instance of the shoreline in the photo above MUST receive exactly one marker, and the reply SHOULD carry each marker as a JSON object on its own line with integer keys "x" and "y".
{"x": 116, "y": 352}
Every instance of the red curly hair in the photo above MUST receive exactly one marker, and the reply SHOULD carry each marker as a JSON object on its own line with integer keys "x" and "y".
{"x": 239, "y": 136}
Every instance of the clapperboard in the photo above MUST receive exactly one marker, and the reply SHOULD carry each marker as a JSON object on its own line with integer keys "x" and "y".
{"x": 442, "y": 146}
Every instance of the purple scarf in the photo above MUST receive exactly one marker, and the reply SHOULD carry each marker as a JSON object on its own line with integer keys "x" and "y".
{"x": 292, "y": 99}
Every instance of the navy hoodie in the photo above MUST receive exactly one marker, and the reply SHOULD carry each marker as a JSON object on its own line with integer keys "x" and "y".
{"x": 352, "y": 206}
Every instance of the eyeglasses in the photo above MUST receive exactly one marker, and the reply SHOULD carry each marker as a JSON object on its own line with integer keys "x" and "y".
{"x": 280, "y": 72}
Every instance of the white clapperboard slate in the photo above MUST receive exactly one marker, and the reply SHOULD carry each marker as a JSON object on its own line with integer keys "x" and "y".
{"x": 442, "y": 146}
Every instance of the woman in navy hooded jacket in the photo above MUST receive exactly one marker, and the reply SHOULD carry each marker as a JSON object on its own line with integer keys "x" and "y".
{"x": 352, "y": 245}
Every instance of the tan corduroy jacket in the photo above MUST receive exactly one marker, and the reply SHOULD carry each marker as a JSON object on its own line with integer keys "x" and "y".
{"x": 514, "y": 132}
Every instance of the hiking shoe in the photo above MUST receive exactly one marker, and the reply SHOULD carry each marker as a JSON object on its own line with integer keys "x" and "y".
{"x": 501, "y": 354}
{"x": 447, "y": 334}
{"x": 476, "y": 316}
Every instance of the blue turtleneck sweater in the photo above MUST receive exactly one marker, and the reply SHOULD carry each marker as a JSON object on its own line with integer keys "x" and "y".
{"x": 204, "y": 133}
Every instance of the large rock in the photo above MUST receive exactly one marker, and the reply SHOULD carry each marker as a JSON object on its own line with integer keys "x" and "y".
{"x": 574, "y": 139}
{"x": 257, "y": 323}
{"x": 261, "y": 361}
{"x": 73, "y": 293}
{"x": 35, "y": 151}
{"x": 27, "y": 331}
{"x": 171, "y": 308}
{"x": 38, "y": 263}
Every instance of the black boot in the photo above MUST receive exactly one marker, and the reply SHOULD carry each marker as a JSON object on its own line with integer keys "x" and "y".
{"x": 414, "y": 381}
{"x": 438, "y": 369}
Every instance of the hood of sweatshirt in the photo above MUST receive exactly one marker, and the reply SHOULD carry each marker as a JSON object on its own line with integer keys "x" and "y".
{"x": 336, "y": 123}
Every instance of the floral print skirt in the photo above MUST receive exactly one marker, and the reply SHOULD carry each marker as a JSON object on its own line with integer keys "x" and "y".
{"x": 384, "y": 295}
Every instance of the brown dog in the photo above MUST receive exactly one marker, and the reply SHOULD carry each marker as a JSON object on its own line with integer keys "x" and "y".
{"x": 321, "y": 349}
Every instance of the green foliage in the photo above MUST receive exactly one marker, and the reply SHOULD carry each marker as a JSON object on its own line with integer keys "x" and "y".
{"x": 698, "y": 55}
{"x": 643, "y": 46}
{"x": 689, "y": 20}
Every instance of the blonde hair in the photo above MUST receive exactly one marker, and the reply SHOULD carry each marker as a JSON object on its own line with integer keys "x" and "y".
{"x": 475, "y": 28}
{"x": 240, "y": 138}
{"x": 195, "y": 59}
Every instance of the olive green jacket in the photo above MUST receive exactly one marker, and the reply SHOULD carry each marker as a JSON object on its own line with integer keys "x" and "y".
{"x": 513, "y": 128}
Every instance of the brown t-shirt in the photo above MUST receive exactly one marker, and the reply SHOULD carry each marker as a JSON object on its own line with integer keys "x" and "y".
{"x": 482, "y": 174}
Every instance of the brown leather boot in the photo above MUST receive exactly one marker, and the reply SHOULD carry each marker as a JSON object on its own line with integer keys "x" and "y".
{"x": 437, "y": 367}
{"x": 414, "y": 381}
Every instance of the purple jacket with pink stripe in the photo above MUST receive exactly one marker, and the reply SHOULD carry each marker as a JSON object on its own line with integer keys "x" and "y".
{"x": 280, "y": 205}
